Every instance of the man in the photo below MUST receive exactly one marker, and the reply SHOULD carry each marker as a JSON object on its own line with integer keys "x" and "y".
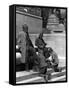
{"x": 54, "y": 61}
{"x": 21, "y": 42}
{"x": 24, "y": 44}
{"x": 30, "y": 54}
{"x": 39, "y": 42}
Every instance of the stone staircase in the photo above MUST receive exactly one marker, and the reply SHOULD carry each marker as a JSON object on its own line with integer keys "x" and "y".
{"x": 53, "y": 24}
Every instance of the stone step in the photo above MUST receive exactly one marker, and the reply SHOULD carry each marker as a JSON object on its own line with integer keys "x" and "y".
{"x": 32, "y": 77}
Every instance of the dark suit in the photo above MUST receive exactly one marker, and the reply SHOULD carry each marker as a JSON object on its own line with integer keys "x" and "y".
{"x": 39, "y": 42}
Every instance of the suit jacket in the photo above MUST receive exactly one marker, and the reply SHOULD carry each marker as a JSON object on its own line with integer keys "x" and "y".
{"x": 22, "y": 45}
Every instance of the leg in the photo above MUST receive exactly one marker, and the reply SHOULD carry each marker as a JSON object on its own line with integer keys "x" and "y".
{"x": 43, "y": 70}
{"x": 56, "y": 69}
{"x": 46, "y": 75}
{"x": 30, "y": 52}
{"x": 27, "y": 66}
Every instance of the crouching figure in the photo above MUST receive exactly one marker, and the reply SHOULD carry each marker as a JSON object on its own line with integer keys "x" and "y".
{"x": 53, "y": 60}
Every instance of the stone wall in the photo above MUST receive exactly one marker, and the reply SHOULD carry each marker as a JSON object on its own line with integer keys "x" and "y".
{"x": 34, "y": 22}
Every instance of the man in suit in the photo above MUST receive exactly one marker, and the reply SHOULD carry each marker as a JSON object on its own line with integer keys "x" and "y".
{"x": 21, "y": 41}
{"x": 25, "y": 45}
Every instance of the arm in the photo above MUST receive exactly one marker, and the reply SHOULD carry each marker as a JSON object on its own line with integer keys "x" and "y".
{"x": 55, "y": 59}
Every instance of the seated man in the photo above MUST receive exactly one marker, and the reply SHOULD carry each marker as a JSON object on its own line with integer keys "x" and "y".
{"x": 39, "y": 42}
